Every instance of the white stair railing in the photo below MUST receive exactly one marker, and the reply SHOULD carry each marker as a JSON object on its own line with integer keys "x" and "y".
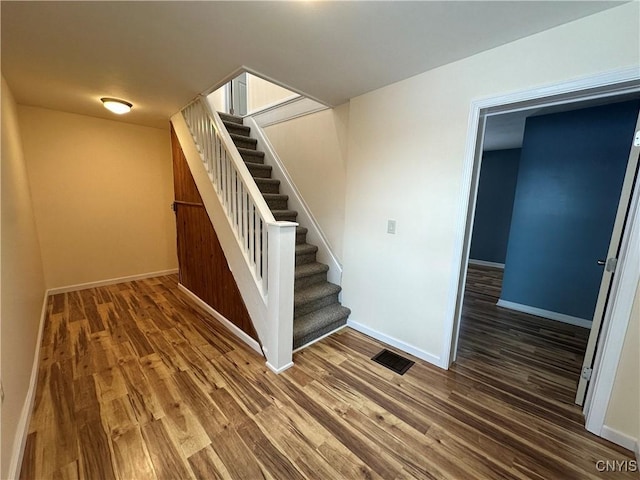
{"x": 244, "y": 205}
{"x": 267, "y": 246}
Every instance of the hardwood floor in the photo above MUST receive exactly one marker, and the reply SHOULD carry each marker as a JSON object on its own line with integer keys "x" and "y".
{"x": 136, "y": 383}
{"x": 541, "y": 358}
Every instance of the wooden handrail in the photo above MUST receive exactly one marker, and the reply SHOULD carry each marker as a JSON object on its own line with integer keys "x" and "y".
{"x": 187, "y": 204}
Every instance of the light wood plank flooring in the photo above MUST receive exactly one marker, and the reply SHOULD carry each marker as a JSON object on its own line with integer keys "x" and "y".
{"x": 136, "y": 383}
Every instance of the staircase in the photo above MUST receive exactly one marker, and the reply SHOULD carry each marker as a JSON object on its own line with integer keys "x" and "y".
{"x": 317, "y": 310}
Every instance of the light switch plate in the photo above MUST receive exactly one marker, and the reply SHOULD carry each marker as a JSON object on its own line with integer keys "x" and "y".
{"x": 391, "y": 227}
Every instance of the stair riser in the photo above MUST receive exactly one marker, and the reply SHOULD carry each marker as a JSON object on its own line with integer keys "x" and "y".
{"x": 242, "y": 143}
{"x": 277, "y": 204}
{"x": 305, "y": 282}
{"x": 259, "y": 172}
{"x": 285, "y": 217}
{"x": 268, "y": 188}
{"x": 252, "y": 158}
{"x": 298, "y": 342}
{"x": 238, "y": 129}
{"x": 229, "y": 118}
{"x": 301, "y": 238}
{"x": 315, "y": 305}
{"x": 305, "y": 258}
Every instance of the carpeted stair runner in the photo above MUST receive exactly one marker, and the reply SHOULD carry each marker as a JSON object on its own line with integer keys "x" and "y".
{"x": 316, "y": 310}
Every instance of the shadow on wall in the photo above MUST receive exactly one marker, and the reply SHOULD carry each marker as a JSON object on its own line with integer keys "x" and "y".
{"x": 494, "y": 205}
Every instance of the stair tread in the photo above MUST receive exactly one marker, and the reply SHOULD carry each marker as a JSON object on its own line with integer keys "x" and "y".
{"x": 308, "y": 269}
{"x": 275, "y": 196}
{"x": 307, "y": 324}
{"x": 250, "y": 152}
{"x": 315, "y": 292}
{"x": 243, "y": 137}
{"x": 301, "y": 235}
{"x": 283, "y": 212}
{"x": 237, "y": 126}
{"x": 230, "y": 118}
{"x": 266, "y": 184}
{"x": 259, "y": 166}
{"x": 305, "y": 248}
{"x": 272, "y": 181}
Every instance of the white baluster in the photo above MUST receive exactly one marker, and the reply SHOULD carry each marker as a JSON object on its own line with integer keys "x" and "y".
{"x": 252, "y": 242}
{"x": 264, "y": 258}
{"x": 234, "y": 199}
{"x": 268, "y": 246}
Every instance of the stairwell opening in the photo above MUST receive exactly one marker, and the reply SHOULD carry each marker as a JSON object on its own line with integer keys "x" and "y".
{"x": 248, "y": 94}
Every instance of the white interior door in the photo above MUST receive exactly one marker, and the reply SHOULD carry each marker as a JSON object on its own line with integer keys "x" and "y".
{"x": 609, "y": 266}
{"x": 239, "y": 95}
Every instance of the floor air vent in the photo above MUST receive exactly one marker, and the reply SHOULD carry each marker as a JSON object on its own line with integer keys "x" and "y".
{"x": 393, "y": 361}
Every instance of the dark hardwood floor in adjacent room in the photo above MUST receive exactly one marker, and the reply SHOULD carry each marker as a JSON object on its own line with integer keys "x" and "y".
{"x": 136, "y": 383}
{"x": 540, "y": 358}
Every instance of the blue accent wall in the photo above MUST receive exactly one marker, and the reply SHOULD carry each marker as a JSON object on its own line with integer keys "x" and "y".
{"x": 494, "y": 204}
{"x": 571, "y": 171}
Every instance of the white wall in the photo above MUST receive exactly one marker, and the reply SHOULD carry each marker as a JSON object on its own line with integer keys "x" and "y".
{"x": 262, "y": 93}
{"x": 102, "y": 192}
{"x": 406, "y": 149}
{"x": 22, "y": 288}
{"x": 313, "y": 149}
{"x": 219, "y": 99}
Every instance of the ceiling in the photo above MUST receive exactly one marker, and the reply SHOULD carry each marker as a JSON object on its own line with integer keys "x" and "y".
{"x": 159, "y": 55}
{"x": 506, "y": 130}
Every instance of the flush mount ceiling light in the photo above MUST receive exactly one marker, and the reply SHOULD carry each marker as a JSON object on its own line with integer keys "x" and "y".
{"x": 116, "y": 106}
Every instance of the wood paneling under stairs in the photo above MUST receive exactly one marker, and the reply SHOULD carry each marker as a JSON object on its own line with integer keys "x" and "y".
{"x": 203, "y": 265}
{"x": 136, "y": 383}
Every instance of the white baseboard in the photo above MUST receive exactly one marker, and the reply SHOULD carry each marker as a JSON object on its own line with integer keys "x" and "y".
{"x": 619, "y": 438}
{"x": 281, "y": 369}
{"x": 399, "y": 344}
{"x": 484, "y": 263}
{"x": 22, "y": 431}
{"x": 539, "y": 312}
{"x": 110, "y": 281}
{"x": 225, "y": 322}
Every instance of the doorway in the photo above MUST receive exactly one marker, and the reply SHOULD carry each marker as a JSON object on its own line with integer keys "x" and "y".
{"x": 535, "y": 359}
{"x": 615, "y": 87}
{"x": 237, "y": 95}
{"x": 548, "y": 211}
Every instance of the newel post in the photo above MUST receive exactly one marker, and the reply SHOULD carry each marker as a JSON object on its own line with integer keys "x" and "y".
{"x": 281, "y": 275}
